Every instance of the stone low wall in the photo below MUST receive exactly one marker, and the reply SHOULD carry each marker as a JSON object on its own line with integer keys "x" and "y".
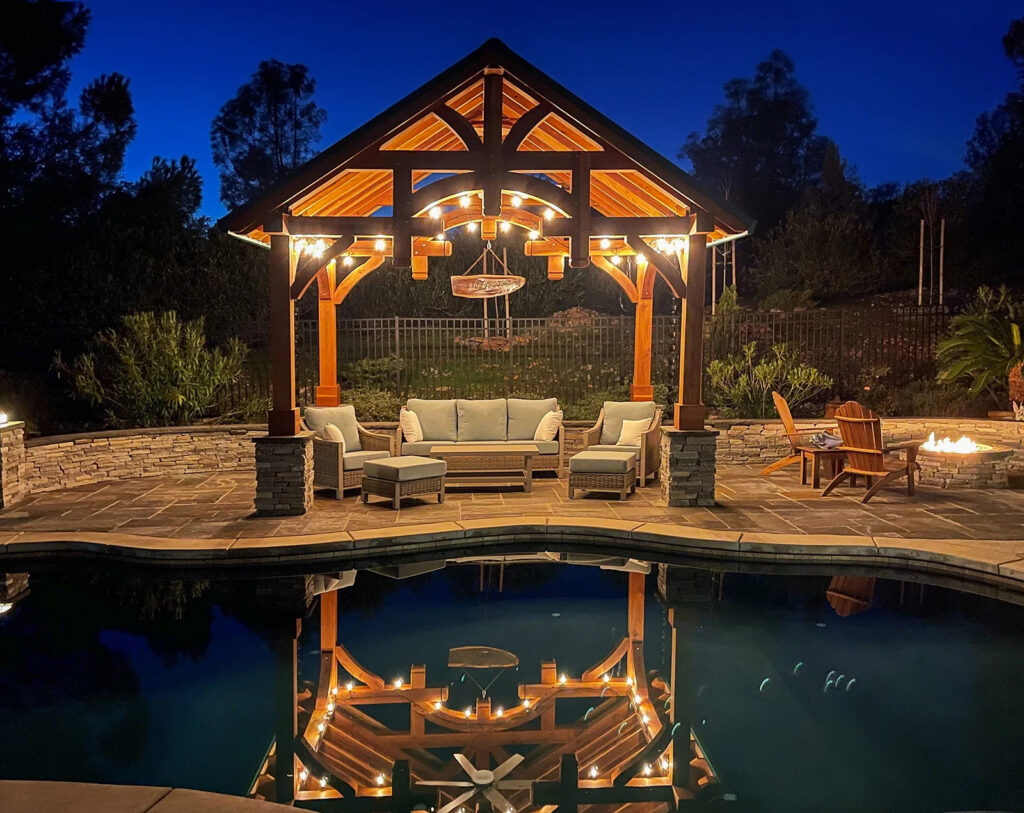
{"x": 66, "y": 461}
{"x": 761, "y": 442}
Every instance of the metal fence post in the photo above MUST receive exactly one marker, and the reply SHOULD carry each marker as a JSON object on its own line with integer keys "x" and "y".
{"x": 842, "y": 350}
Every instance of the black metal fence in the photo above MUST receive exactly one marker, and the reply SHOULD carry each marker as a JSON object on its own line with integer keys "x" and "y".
{"x": 471, "y": 358}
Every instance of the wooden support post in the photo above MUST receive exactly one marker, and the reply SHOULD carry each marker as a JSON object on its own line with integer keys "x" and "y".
{"x": 329, "y": 637}
{"x": 401, "y": 790}
{"x": 682, "y": 695}
{"x": 283, "y": 418}
{"x": 642, "y": 389}
{"x": 568, "y": 784}
{"x": 579, "y": 247}
{"x": 492, "y": 142}
{"x": 328, "y": 393}
{"x": 402, "y": 212}
{"x": 689, "y": 411}
{"x": 285, "y": 710}
{"x": 714, "y": 278}
{"x": 635, "y": 606}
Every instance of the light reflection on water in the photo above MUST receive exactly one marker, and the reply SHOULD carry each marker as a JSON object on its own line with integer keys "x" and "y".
{"x": 127, "y": 683}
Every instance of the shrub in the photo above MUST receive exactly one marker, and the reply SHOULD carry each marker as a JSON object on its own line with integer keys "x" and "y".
{"x": 787, "y": 299}
{"x": 587, "y": 408}
{"x": 741, "y": 385}
{"x": 379, "y": 373}
{"x": 985, "y": 345}
{"x": 373, "y": 404}
{"x": 154, "y": 370}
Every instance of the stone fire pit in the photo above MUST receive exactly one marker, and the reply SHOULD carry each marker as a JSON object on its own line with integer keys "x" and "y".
{"x": 963, "y": 464}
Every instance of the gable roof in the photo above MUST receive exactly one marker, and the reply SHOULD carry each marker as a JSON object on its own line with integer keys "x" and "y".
{"x": 666, "y": 189}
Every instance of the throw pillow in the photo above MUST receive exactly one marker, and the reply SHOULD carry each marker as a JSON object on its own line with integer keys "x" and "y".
{"x": 410, "y": 423}
{"x": 548, "y": 426}
{"x": 632, "y": 431}
{"x": 332, "y": 433}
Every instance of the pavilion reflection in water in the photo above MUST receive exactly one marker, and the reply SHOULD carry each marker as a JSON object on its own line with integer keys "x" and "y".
{"x": 633, "y": 749}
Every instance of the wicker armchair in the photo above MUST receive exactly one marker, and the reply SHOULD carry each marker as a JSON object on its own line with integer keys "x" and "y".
{"x": 649, "y": 452}
{"x": 339, "y": 468}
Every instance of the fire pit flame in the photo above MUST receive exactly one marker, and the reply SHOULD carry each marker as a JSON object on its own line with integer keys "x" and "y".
{"x": 963, "y": 446}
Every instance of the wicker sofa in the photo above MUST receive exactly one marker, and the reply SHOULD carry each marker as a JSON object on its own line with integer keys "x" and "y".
{"x": 496, "y": 421}
{"x": 339, "y": 465}
{"x": 603, "y": 436}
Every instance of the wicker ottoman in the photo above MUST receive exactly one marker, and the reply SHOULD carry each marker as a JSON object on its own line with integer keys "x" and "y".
{"x": 602, "y": 471}
{"x": 407, "y": 476}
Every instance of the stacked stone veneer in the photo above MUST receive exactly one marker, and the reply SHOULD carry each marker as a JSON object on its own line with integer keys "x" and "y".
{"x": 74, "y": 460}
{"x": 284, "y": 474}
{"x": 988, "y": 469}
{"x": 12, "y": 460}
{"x": 687, "y": 473}
{"x": 758, "y": 443}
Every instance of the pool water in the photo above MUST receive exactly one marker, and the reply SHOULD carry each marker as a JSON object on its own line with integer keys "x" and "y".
{"x": 171, "y": 683}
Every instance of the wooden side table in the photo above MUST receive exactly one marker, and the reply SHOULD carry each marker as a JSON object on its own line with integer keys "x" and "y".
{"x": 815, "y": 455}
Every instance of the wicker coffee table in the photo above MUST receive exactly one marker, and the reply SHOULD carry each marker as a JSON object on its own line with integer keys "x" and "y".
{"x": 486, "y": 464}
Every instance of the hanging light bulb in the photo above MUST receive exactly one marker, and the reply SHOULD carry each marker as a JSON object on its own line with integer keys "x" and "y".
{"x": 334, "y": 691}
{"x": 616, "y": 259}
{"x": 499, "y": 712}
{"x": 303, "y": 775}
{"x": 534, "y": 234}
{"x": 549, "y": 213}
{"x": 299, "y": 245}
{"x": 605, "y": 242}
{"x": 380, "y": 244}
{"x": 563, "y": 678}
{"x": 323, "y": 781}
{"x": 526, "y": 703}
{"x": 517, "y": 201}
{"x": 349, "y": 686}
{"x": 606, "y": 677}
{"x": 647, "y": 769}
{"x": 435, "y": 212}
{"x": 464, "y": 201}
{"x": 398, "y": 683}
{"x": 437, "y": 705}
{"x": 629, "y": 680}
{"x": 471, "y": 226}
{"x": 469, "y": 712}
{"x": 439, "y": 236}
{"x": 593, "y": 772}
{"x": 641, "y": 259}
{"x": 505, "y": 225}
{"x": 347, "y": 262}
{"x": 320, "y": 728}
{"x": 380, "y": 779}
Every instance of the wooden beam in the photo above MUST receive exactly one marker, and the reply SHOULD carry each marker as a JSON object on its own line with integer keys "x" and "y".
{"x": 579, "y": 246}
{"x": 635, "y": 606}
{"x": 283, "y": 418}
{"x": 689, "y": 410}
{"x": 475, "y": 161}
{"x": 666, "y": 270}
{"x": 683, "y": 694}
{"x": 459, "y": 125}
{"x": 524, "y": 126}
{"x": 285, "y": 709}
{"x": 308, "y": 268}
{"x": 328, "y": 392}
{"x": 643, "y": 321}
{"x": 433, "y": 160}
{"x": 320, "y": 226}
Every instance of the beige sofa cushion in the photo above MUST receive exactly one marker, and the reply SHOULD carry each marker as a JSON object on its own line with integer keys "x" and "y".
{"x": 615, "y": 412}
{"x": 437, "y": 418}
{"x": 524, "y": 415}
{"x": 353, "y": 461}
{"x": 344, "y": 417}
{"x": 481, "y": 420}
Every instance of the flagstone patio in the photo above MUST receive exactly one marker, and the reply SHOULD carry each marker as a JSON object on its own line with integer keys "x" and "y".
{"x": 982, "y": 530}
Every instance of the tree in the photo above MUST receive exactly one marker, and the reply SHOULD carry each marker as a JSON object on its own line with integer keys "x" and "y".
{"x": 760, "y": 148}
{"x": 270, "y": 127}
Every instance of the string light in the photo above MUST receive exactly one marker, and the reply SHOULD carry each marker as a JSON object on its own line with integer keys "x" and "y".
{"x": 464, "y": 201}
{"x": 562, "y": 678}
{"x": 616, "y": 260}
{"x": 323, "y": 781}
{"x": 398, "y": 683}
{"x": 593, "y": 772}
{"x": 435, "y": 212}
{"x": 605, "y": 242}
{"x": 526, "y": 703}
{"x": 320, "y": 728}
{"x": 469, "y": 712}
{"x": 471, "y": 226}
{"x": 647, "y": 769}
{"x": 499, "y": 712}
{"x": 347, "y": 262}
{"x": 437, "y": 705}
{"x": 349, "y": 686}
{"x": 641, "y": 259}
{"x": 517, "y": 201}
{"x": 334, "y": 691}
{"x": 606, "y": 678}
{"x": 644, "y": 718}
{"x": 548, "y": 214}
{"x": 534, "y": 234}
{"x": 380, "y": 245}
{"x": 505, "y": 225}
{"x": 629, "y": 680}
{"x": 439, "y": 237}
{"x": 380, "y": 779}
{"x": 303, "y": 775}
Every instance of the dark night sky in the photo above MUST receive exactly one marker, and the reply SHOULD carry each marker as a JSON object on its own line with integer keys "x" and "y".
{"x": 897, "y": 84}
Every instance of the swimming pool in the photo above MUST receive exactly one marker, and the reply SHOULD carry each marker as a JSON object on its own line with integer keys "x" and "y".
{"x": 912, "y": 702}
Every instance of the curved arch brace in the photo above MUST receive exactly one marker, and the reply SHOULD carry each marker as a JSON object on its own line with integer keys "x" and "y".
{"x": 459, "y": 125}
{"x": 355, "y": 275}
{"x": 524, "y": 126}
{"x": 616, "y": 273}
{"x": 427, "y": 196}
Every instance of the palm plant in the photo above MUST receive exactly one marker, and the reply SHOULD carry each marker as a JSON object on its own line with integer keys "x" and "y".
{"x": 984, "y": 344}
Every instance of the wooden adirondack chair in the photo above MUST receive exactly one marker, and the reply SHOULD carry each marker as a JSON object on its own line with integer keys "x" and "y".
{"x": 795, "y": 436}
{"x": 861, "y": 430}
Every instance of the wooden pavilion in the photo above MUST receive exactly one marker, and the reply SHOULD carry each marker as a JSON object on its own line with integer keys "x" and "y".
{"x": 491, "y": 144}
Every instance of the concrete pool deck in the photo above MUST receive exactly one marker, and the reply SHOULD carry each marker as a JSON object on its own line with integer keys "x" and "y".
{"x": 207, "y": 520}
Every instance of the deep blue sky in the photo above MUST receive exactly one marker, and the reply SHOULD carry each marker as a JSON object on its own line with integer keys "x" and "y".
{"x": 897, "y": 84}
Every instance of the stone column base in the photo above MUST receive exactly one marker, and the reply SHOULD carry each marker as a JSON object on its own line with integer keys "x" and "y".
{"x": 687, "y": 474}
{"x": 12, "y": 458}
{"x": 284, "y": 474}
